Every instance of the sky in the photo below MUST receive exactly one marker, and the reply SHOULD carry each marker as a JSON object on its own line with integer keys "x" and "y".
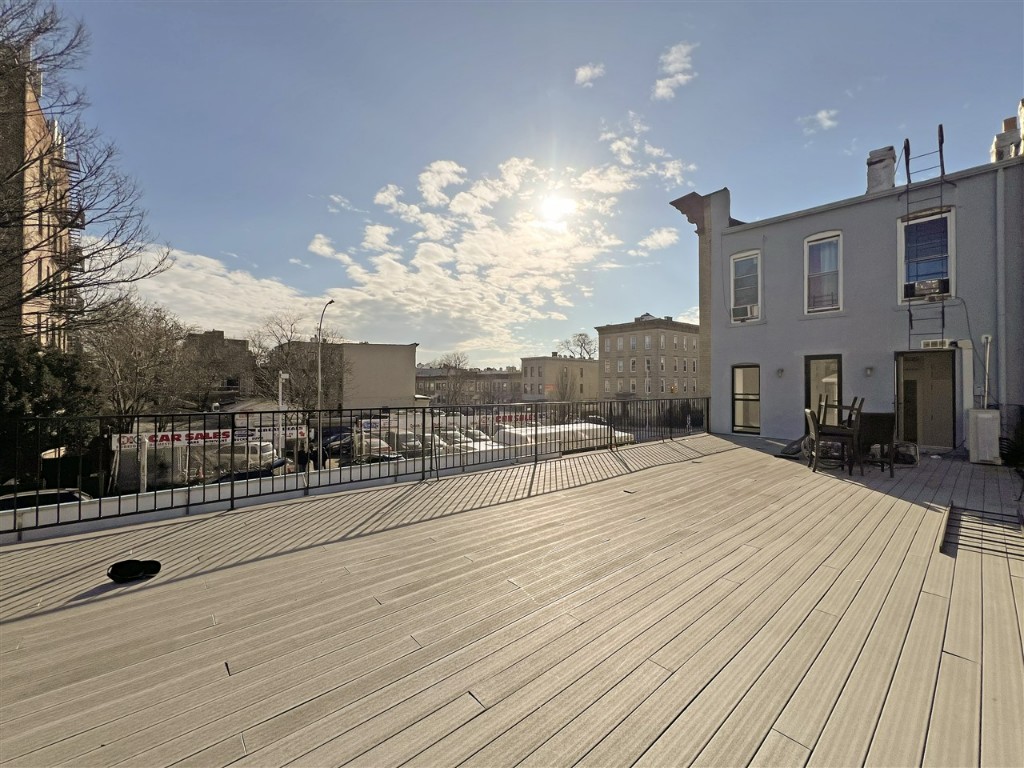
{"x": 493, "y": 177}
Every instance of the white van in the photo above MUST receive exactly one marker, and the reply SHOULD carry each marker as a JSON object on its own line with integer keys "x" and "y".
{"x": 246, "y": 455}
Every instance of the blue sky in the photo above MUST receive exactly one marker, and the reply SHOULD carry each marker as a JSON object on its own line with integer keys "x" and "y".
{"x": 494, "y": 177}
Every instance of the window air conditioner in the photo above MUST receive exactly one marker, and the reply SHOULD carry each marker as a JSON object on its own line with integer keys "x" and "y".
{"x": 983, "y": 436}
{"x": 923, "y": 288}
{"x": 936, "y": 343}
{"x": 745, "y": 312}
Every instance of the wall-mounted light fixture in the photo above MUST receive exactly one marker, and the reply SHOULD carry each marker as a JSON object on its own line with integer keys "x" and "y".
{"x": 869, "y": 371}
{"x": 779, "y": 372}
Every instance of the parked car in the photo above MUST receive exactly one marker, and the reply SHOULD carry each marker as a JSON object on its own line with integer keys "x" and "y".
{"x": 406, "y": 443}
{"x": 43, "y": 497}
{"x": 359, "y": 448}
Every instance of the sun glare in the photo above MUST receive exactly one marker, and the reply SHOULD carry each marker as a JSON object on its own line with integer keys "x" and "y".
{"x": 555, "y": 209}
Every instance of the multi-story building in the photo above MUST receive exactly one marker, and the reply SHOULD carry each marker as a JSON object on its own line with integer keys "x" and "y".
{"x": 559, "y": 377}
{"x": 909, "y": 296}
{"x": 650, "y": 357}
{"x": 39, "y": 215}
{"x": 470, "y": 386}
{"x": 229, "y": 366}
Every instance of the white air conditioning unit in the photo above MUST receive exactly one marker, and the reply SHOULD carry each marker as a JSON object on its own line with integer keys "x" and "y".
{"x": 745, "y": 312}
{"x": 983, "y": 436}
{"x": 936, "y": 344}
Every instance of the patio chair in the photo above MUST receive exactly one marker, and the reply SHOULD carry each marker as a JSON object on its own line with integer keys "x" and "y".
{"x": 819, "y": 436}
{"x": 877, "y": 429}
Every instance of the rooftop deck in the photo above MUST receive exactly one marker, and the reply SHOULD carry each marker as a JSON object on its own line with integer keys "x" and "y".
{"x": 672, "y": 603}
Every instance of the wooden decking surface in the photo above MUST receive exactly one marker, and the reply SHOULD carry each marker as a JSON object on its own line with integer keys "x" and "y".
{"x": 687, "y": 602}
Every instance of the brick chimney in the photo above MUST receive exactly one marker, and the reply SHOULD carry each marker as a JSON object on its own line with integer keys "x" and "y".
{"x": 881, "y": 169}
{"x": 1010, "y": 142}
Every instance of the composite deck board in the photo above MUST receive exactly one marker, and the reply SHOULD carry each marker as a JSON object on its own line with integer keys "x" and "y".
{"x": 518, "y": 615}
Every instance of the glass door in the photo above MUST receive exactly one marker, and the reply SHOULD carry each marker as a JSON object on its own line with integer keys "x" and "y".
{"x": 823, "y": 375}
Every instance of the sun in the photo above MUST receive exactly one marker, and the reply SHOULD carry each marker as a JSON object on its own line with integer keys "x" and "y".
{"x": 555, "y": 209}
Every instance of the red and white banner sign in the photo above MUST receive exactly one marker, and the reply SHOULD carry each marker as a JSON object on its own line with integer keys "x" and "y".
{"x": 209, "y": 436}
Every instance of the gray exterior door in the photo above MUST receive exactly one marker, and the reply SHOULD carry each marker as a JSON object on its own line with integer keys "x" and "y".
{"x": 925, "y": 392}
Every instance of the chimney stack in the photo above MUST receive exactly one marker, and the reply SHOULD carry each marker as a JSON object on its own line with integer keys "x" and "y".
{"x": 881, "y": 169}
{"x": 1010, "y": 142}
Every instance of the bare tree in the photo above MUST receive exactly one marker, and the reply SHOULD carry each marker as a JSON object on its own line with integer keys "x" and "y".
{"x": 566, "y": 384}
{"x": 73, "y": 237}
{"x": 579, "y": 345}
{"x": 456, "y": 368}
{"x": 138, "y": 361}
{"x": 280, "y": 347}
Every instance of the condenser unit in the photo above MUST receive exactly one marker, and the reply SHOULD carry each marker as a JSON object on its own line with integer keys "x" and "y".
{"x": 983, "y": 436}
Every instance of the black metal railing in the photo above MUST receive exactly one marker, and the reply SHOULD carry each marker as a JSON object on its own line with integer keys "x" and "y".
{"x": 65, "y": 470}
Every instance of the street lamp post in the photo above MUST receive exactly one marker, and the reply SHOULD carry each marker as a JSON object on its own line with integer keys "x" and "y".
{"x": 319, "y": 346}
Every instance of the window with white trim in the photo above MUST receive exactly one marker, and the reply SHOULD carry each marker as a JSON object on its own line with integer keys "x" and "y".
{"x": 632, "y": 343}
{"x": 618, "y": 343}
{"x": 632, "y": 365}
{"x": 927, "y": 255}
{"x": 823, "y": 273}
{"x": 608, "y": 344}
{"x": 618, "y": 365}
{"x": 632, "y": 385}
{"x": 745, "y": 274}
{"x": 607, "y": 386}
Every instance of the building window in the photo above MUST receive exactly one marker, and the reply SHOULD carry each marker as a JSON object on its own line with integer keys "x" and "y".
{"x": 694, "y": 345}
{"x": 618, "y": 385}
{"x": 662, "y": 364}
{"x": 581, "y": 388}
{"x": 608, "y": 344}
{"x": 684, "y": 343}
{"x": 540, "y": 371}
{"x": 632, "y": 365}
{"x": 618, "y": 365}
{"x": 661, "y": 341}
{"x": 746, "y": 286}
{"x": 647, "y": 364}
{"x": 684, "y": 365}
{"x": 647, "y": 342}
{"x": 675, "y": 341}
{"x": 693, "y": 385}
{"x": 632, "y": 343}
{"x": 607, "y": 366}
{"x": 927, "y": 255}
{"x": 632, "y": 385}
{"x": 823, "y": 282}
{"x": 675, "y": 365}
{"x": 675, "y": 385}
{"x": 607, "y": 386}
{"x": 618, "y": 343}
{"x": 684, "y": 385}
{"x": 647, "y": 386}
{"x": 746, "y": 399}
{"x": 693, "y": 366}
{"x": 662, "y": 385}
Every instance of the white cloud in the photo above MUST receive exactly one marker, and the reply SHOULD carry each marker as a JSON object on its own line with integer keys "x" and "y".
{"x": 691, "y": 315}
{"x": 375, "y": 238}
{"x": 822, "y": 120}
{"x": 438, "y": 175}
{"x": 339, "y": 203}
{"x": 588, "y": 73}
{"x": 298, "y": 263}
{"x": 677, "y": 64}
{"x": 660, "y": 238}
{"x": 657, "y": 240}
{"x": 321, "y": 245}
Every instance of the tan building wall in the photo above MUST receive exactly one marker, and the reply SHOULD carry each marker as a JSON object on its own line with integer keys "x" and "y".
{"x": 377, "y": 374}
{"x": 559, "y": 377}
{"x": 650, "y": 358}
